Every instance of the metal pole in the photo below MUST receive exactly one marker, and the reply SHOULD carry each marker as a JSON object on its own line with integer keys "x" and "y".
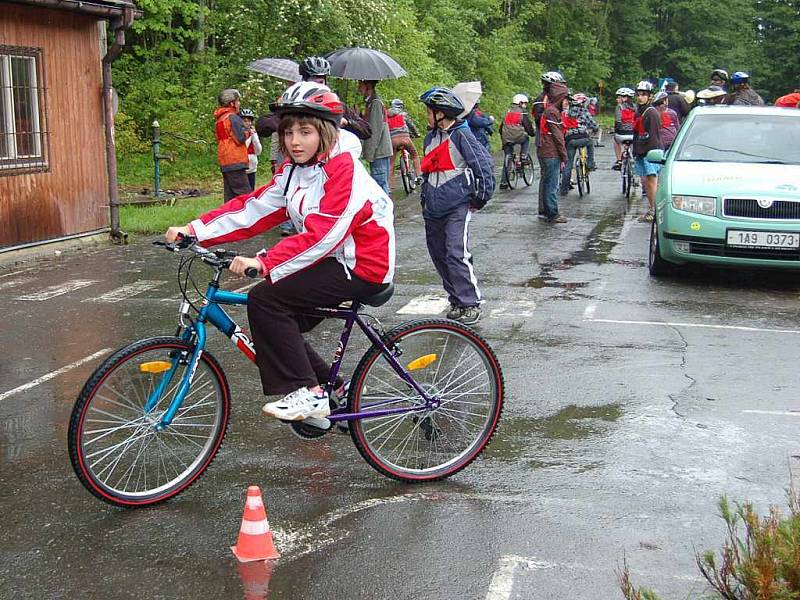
{"x": 156, "y": 158}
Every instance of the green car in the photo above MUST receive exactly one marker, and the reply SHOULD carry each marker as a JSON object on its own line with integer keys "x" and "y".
{"x": 729, "y": 191}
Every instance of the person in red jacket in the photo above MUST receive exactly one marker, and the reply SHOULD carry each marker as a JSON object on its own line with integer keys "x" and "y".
{"x": 344, "y": 248}
{"x": 231, "y": 148}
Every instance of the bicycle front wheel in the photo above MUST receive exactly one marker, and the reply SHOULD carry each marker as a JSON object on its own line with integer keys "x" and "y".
{"x": 116, "y": 450}
{"x": 528, "y": 172}
{"x": 404, "y": 174}
{"x": 449, "y": 361}
{"x": 580, "y": 175}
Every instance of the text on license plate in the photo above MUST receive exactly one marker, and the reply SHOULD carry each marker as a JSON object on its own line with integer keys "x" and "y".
{"x": 763, "y": 239}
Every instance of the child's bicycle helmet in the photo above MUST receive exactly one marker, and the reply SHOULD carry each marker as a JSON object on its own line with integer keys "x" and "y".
{"x": 443, "y": 100}
{"x": 309, "y": 98}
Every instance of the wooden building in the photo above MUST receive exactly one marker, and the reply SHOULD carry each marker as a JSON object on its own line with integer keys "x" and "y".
{"x": 57, "y": 161}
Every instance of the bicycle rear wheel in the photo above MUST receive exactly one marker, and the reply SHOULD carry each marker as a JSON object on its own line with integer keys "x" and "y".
{"x": 510, "y": 171}
{"x": 626, "y": 188}
{"x": 115, "y": 450}
{"x": 404, "y": 175}
{"x": 528, "y": 172}
{"x": 629, "y": 177}
{"x": 449, "y": 361}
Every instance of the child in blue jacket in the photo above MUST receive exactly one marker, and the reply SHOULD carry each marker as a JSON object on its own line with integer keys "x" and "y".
{"x": 458, "y": 179}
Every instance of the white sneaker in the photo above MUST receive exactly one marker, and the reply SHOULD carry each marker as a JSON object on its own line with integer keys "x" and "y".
{"x": 299, "y": 405}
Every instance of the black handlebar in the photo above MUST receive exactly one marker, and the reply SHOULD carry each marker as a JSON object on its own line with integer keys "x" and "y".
{"x": 217, "y": 258}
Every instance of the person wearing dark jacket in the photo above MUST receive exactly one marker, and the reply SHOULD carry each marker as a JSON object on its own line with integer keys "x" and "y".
{"x": 537, "y": 110}
{"x": 552, "y": 151}
{"x": 481, "y": 126}
{"x": 743, "y": 94}
{"x": 458, "y": 179}
{"x": 646, "y": 137}
{"x": 676, "y": 101}
{"x": 378, "y": 147}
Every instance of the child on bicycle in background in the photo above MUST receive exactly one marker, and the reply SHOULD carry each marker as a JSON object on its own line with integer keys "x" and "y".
{"x": 624, "y": 117}
{"x": 458, "y": 178}
{"x": 578, "y": 126}
{"x": 516, "y": 128}
{"x": 344, "y": 248}
{"x": 401, "y": 130}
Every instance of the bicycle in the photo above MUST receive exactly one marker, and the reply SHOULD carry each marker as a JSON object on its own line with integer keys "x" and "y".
{"x": 407, "y": 171}
{"x": 626, "y": 171}
{"x": 582, "y": 171}
{"x": 151, "y": 418}
{"x": 515, "y": 166}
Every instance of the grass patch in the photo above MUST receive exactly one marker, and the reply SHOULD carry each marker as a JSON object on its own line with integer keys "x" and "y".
{"x": 156, "y": 218}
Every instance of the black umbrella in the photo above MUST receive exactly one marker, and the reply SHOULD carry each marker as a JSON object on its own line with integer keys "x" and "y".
{"x": 363, "y": 63}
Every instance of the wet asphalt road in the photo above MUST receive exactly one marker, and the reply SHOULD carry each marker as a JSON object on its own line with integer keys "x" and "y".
{"x": 632, "y": 405}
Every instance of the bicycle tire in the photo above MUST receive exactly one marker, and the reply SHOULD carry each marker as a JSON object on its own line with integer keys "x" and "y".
{"x": 435, "y": 432}
{"x": 510, "y": 171}
{"x": 626, "y": 191}
{"x": 586, "y": 180}
{"x": 528, "y": 172}
{"x": 579, "y": 175}
{"x": 412, "y": 174}
{"x": 404, "y": 175}
{"x": 115, "y": 390}
{"x": 629, "y": 177}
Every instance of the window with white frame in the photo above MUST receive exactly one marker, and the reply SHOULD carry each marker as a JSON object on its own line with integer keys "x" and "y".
{"x": 23, "y": 135}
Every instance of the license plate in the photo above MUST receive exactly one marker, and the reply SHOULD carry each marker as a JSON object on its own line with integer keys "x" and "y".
{"x": 763, "y": 239}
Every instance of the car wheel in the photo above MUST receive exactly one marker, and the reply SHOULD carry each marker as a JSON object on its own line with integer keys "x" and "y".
{"x": 657, "y": 266}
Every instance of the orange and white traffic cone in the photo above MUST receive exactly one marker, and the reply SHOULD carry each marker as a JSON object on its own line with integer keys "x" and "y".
{"x": 255, "y": 538}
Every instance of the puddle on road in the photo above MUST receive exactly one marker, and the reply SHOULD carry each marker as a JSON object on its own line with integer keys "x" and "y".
{"x": 519, "y": 435}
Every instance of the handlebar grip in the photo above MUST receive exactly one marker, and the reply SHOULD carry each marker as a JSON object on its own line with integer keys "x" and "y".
{"x": 251, "y": 272}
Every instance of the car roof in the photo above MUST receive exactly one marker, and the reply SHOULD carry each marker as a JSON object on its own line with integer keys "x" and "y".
{"x": 746, "y": 110}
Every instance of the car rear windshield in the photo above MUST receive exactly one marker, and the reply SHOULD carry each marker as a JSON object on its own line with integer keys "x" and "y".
{"x": 743, "y": 138}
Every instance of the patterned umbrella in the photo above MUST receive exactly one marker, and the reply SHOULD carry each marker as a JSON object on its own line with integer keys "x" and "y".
{"x": 363, "y": 63}
{"x": 282, "y": 68}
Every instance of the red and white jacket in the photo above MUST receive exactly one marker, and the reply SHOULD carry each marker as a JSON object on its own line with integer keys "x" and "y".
{"x": 336, "y": 207}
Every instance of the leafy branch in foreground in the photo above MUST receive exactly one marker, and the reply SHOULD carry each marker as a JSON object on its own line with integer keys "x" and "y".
{"x": 759, "y": 560}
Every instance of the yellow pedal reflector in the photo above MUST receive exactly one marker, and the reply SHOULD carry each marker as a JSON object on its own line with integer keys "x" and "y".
{"x": 421, "y": 362}
{"x": 155, "y": 366}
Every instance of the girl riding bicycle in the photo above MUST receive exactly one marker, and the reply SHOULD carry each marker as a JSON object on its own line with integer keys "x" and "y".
{"x": 344, "y": 248}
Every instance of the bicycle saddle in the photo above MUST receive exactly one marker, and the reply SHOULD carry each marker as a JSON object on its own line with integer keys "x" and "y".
{"x": 380, "y": 298}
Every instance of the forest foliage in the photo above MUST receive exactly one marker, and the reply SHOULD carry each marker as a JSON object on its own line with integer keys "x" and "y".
{"x": 182, "y": 52}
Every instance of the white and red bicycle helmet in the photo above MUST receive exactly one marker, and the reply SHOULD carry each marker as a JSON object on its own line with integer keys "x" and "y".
{"x": 309, "y": 98}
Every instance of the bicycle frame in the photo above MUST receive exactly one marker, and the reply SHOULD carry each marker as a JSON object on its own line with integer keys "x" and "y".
{"x": 212, "y": 313}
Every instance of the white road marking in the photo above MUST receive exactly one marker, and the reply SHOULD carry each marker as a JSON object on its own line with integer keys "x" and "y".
{"x": 502, "y": 582}
{"x": 425, "y": 305}
{"x": 16, "y": 273}
{"x": 58, "y": 290}
{"x": 588, "y": 314}
{"x": 4, "y": 285}
{"x": 126, "y": 291}
{"x": 697, "y": 325}
{"x": 50, "y": 376}
{"x": 780, "y": 413}
{"x": 517, "y": 308}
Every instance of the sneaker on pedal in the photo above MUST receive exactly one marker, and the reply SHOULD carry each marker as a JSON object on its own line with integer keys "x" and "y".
{"x": 469, "y": 315}
{"x": 455, "y": 312}
{"x": 299, "y": 405}
{"x": 617, "y": 166}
